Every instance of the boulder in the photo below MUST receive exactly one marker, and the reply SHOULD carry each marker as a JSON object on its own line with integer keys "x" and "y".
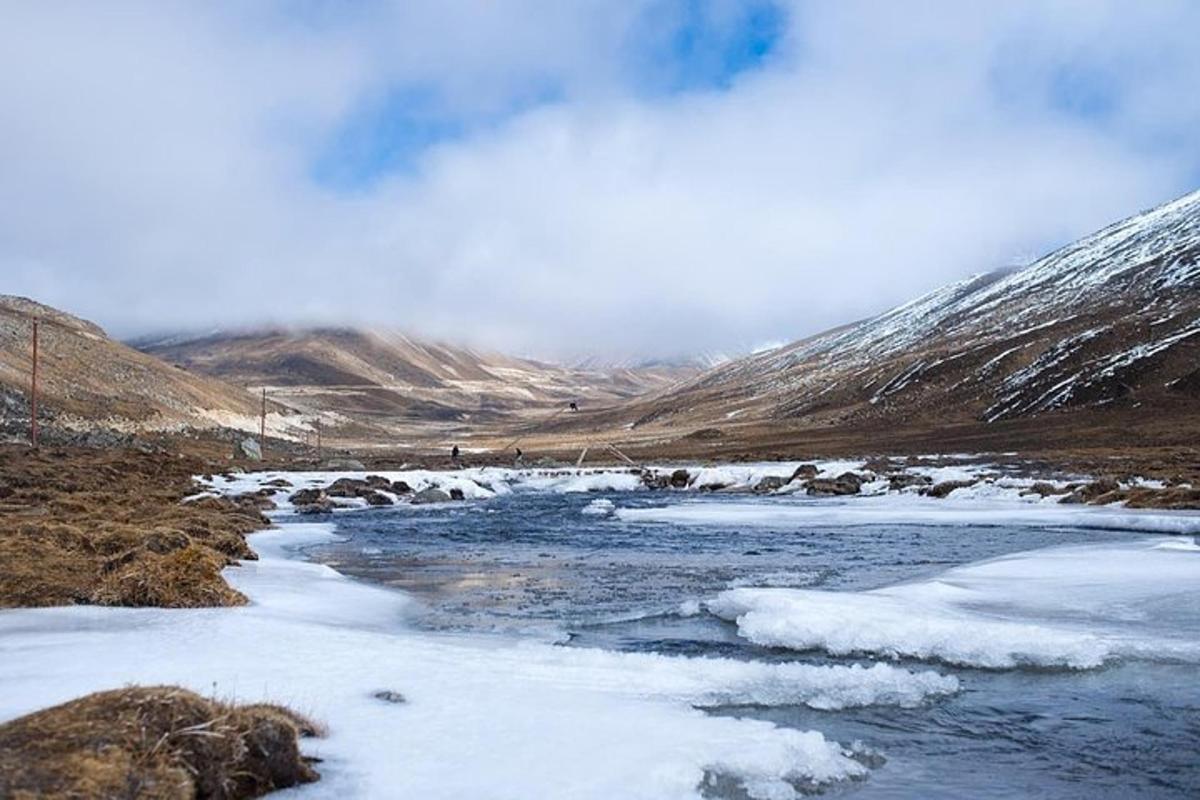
{"x": 946, "y": 487}
{"x": 846, "y": 483}
{"x": 680, "y": 479}
{"x": 306, "y": 496}
{"x": 374, "y": 498}
{"x": 347, "y": 487}
{"x": 804, "y": 472}
{"x": 1044, "y": 489}
{"x": 771, "y": 483}
{"x": 1104, "y": 490}
{"x": 904, "y": 480}
{"x": 248, "y": 448}
{"x": 322, "y": 506}
{"x": 401, "y": 487}
{"x": 430, "y": 495}
{"x": 457, "y": 494}
{"x": 378, "y": 482}
{"x": 655, "y": 480}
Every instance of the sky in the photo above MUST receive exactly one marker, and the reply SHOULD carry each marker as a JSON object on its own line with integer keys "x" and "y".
{"x": 622, "y": 179}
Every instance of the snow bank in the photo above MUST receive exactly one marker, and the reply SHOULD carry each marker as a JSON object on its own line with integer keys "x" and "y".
{"x": 1074, "y": 607}
{"x": 481, "y": 483}
{"x": 483, "y": 717}
{"x": 913, "y": 510}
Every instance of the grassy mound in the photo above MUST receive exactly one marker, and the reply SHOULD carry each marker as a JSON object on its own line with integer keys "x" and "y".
{"x": 109, "y": 528}
{"x": 152, "y": 742}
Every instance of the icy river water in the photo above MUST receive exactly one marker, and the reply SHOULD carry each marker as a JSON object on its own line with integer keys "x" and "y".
{"x": 1103, "y": 701}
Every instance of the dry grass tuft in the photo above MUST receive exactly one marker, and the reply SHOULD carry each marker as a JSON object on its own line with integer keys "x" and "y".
{"x": 108, "y": 527}
{"x": 152, "y": 742}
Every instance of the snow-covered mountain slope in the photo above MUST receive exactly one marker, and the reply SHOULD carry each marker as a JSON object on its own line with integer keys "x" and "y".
{"x": 1111, "y": 321}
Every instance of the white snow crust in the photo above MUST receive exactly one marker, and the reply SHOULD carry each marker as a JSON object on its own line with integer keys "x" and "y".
{"x": 1069, "y": 607}
{"x": 485, "y": 717}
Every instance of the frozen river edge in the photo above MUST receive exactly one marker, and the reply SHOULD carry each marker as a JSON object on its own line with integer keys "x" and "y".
{"x": 485, "y": 716}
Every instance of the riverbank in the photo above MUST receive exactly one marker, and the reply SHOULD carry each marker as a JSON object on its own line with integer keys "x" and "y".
{"x": 533, "y": 718}
{"x": 107, "y": 527}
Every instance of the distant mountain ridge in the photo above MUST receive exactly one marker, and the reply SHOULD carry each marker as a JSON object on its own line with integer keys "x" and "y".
{"x": 1111, "y": 321}
{"x": 396, "y": 384}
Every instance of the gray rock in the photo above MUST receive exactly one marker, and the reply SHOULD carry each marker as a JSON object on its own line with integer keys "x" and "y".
{"x": 374, "y": 498}
{"x": 905, "y": 480}
{"x": 844, "y": 484}
{"x": 307, "y": 496}
{"x": 389, "y": 696}
{"x": 805, "y": 472}
{"x": 946, "y": 487}
{"x": 323, "y": 506}
{"x": 430, "y": 495}
{"x": 680, "y": 478}
{"x": 347, "y": 487}
{"x": 248, "y": 448}
{"x": 771, "y": 483}
{"x": 655, "y": 480}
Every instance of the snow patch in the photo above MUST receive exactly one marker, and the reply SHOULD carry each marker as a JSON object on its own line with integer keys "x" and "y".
{"x": 1070, "y": 607}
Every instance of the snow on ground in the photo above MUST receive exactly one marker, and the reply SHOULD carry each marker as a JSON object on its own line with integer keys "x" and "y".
{"x": 486, "y": 482}
{"x": 484, "y": 716}
{"x": 961, "y": 508}
{"x": 1075, "y": 607}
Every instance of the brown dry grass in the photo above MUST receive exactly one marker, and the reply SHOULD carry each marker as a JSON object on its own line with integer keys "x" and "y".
{"x": 108, "y": 527}
{"x": 152, "y": 742}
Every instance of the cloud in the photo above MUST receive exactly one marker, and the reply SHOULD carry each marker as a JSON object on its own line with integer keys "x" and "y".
{"x": 644, "y": 178}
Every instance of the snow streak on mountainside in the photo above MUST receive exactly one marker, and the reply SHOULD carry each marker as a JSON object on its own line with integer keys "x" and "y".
{"x": 1112, "y": 320}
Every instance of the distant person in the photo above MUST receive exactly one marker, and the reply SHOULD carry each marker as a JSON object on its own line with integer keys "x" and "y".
{"x": 454, "y": 455}
{"x": 574, "y": 406}
{"x": 519, "y": 461}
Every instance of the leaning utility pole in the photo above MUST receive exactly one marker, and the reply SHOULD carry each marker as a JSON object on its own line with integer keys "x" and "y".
{"x": 33, "y": 422}
{"x": 262, "y": 426}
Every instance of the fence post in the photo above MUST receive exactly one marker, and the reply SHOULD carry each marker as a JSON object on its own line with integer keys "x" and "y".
{"x": 262, "y": 426}
{"x": 33, "y": 389}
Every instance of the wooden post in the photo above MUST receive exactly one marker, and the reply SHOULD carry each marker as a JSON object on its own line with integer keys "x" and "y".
{"x": 262, "y": 426}
{"x": 33, "y": 420}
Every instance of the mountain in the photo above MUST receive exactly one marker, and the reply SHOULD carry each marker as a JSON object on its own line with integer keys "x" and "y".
{"x": 1099, "y": 340}
{"x": 87, "y": 380}
{"x": 380, "y": 384}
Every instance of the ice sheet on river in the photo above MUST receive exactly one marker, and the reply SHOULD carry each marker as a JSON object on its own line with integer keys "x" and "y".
{"x": 913, "y": 510}
{"x": 483, "y": 717}
{"x": 1071, "y": 607}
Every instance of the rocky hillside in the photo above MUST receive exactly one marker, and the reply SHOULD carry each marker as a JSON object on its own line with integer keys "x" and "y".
{"x": 1102, "y": 333}
{"x": 89, "y": 382}
{"x": 379, "y": 383}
